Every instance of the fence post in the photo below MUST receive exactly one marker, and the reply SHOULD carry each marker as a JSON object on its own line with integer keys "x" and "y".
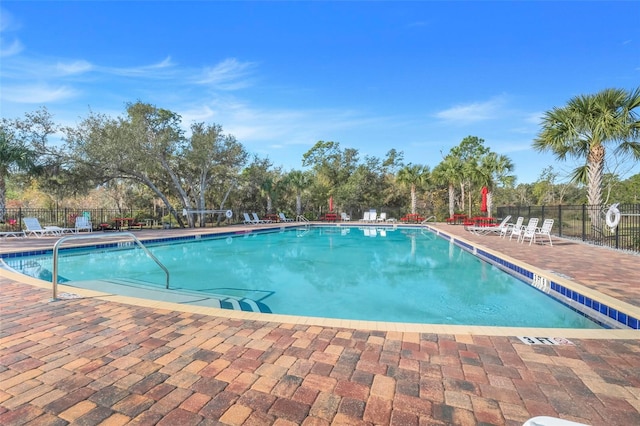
{"x": 560, "y": 220}
{"x": 584, "y": 224}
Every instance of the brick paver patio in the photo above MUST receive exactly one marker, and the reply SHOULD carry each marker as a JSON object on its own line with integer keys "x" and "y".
{"x": 90, "y": 361}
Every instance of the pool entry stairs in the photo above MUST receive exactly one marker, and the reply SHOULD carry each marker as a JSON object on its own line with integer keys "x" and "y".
{"x": 142, "y": 289}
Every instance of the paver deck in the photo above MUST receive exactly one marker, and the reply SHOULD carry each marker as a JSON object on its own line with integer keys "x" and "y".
{"x": 98, "y": 360}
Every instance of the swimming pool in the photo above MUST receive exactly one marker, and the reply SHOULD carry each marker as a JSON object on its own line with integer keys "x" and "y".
{"x": 390, "y": 274}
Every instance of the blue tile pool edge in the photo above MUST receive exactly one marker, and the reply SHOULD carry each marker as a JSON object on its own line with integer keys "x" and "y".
{"x": 595, "y": 310}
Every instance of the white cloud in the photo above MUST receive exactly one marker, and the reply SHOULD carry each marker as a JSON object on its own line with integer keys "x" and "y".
{"x": 12, "y": 49}
{"x": 37, "y": 94}
{"x": 229, "y": 74}
{"x": 140, "y": 71}
{"x": 473, "y": 112}
{"x": 77, "y": 67}
{"x": 534, "y": 118}
{"x": 8, "y": 23}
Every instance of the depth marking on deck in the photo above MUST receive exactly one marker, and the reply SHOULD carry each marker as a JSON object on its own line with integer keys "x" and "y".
{"x": 544, "y": 340}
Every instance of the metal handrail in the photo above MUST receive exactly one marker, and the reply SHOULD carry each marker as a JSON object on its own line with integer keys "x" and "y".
{"x": 58, "y": 243}
{"x": 301, "y": 218}
{"x": 428, "y": 219}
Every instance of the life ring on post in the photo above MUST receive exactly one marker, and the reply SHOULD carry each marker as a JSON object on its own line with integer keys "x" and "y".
{"x": 228, "y": 214}
{"x": 613, "y": 216}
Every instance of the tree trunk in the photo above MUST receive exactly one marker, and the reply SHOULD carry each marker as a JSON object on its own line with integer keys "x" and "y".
{"x": 595, "y": 162}
{"x": 298, "y": 204}
{"x": 414, "y": 200}
{"x": 452, "y": 200}
{"x": 489, "y": 203}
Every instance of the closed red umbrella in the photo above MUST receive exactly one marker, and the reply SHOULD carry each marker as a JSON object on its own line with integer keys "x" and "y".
{"x": 331, "y": 203}
{"x": 483, "y": 206}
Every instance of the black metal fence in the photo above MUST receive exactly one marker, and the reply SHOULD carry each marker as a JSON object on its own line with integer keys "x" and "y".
{"x": 66, "y": 217}
{"x": 587, "y": 223}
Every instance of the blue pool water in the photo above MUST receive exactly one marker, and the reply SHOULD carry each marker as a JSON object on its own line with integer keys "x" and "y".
{"x": 392, "y": 275}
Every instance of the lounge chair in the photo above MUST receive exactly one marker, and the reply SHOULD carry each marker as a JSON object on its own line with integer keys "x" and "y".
{"x": 248, "y": 220}
{"x": 15, "y": 234}
{"x": 509, "y": 227}
{"x": 256, "y": 219}
{"x": 529, "y": 231}
{"x": 489, "y": 229}
{"x": 33, "y": 227}
{"x": 366, "y": 216}
{"x": 283, "y": 218}
{"x": 344, "y": 217}
{"x": 83, "y": 223}
{"x": 382, "y": 217}
{"x": 373, "y": 215}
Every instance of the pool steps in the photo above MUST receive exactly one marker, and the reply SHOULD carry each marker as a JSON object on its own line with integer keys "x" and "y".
{"x": 142, "y": 289}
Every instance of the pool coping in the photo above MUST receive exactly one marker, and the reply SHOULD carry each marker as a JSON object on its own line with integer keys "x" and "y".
{"x": 619, "y": 306}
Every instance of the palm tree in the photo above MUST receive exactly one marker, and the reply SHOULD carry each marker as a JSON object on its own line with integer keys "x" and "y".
{"x": 448, "y": 172}
{"x": 13, "y": 156}
{"x": 299, "y": 181}
{"x": 494, "y": 168}
{"x": 413, "y": 175}
{"x": 585, "y": 125}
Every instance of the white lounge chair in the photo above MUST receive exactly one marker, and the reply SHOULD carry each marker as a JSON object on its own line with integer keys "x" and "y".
{"x": 484, "y": 230}
{"x": 15, "y": 234}
{"x": 509, "y": 228}
{"x": 366, "y": 216}
{"x": 373, "y": 215}
{"x": 382, "y": 217}
{"x": 283, "y": 218}
{"x": 247, "y": 220}
{"x": 256, "y": 219}
{"x": 344, "y": 217}
{"x": 529, "y": 231}
{"x": 83, "y": 224}
{"x": 33, "y": 227}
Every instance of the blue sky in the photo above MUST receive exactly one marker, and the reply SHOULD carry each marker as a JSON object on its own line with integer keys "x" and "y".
{"x": 280, "y": 76}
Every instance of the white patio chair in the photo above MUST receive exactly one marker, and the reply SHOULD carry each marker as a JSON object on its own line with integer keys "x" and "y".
{"x": 509, "y": 227}
{"x": 529, "y": 231}
{"x": 545, "y": 230}
{"x": 83, "y": 224}
{"x": 344, "y": 217}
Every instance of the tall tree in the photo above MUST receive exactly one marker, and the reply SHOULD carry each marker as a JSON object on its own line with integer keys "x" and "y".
{"x": 469, "y": 152}
{"x": 494, "y": 169}
{"x": 585, "y": 126}
{"x": 298, "y": 181}
{"x": 413, "y": 175}
{"x": 13, "y": 156}
{"x": 210, "y": 157}
{"x": 449, "y": 172}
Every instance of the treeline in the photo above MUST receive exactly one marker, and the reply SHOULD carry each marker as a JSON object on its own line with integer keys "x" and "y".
{"x": 144, "y": 160}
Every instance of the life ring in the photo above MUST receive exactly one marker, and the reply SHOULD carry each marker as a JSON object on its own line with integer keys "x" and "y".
{"x": 613, "y": 216}
{"x": 228, "y": 214}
